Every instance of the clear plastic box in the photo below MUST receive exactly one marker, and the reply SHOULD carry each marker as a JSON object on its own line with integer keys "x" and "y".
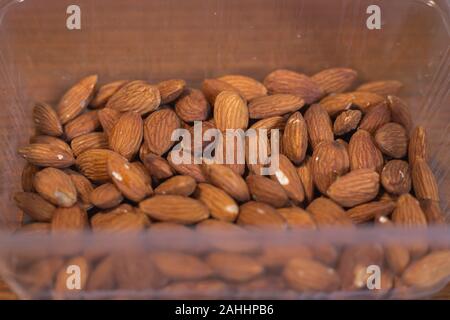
{"x": 162, "y": 39}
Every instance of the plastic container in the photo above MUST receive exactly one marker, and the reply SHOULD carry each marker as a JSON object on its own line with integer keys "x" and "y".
{"x": 157, "y": 40}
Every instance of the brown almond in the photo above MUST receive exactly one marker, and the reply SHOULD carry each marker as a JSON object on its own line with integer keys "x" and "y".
{"x": 234, "y": 266}
{"x": 305, "y": 174}
{"x": 181, "y": 266}
{"x": 267, "y": 190}
{"x": 61, "y": 289}
{"x": 106, "y": 196}
{"x": 365, "y": 100}
{"x": 93, "y": 140}
{"x": 376, "y": 117}
{"x": 102, "y": 276}
{"x": 287, "y": 176}
{"x": 383, "y": 87}
{"x": 319, "y": 125}
{"x": 178, "y": 185}
{"x": 126, "y": 135}
{"x": 337, "y": 103}
{"x": 392, "y": 140}
{"x": 119, "y": 221}
{"x": 295, "y": 138}
{"x": 105, "y": 92}
{"x": 46, "y": 155}
{"x": 259, "y": 215}
{"x": 418, "y": 145}
{"x": 158, "y": 166}
{"x": 433, "y": 212}
{"x": 370, "y": 210}
{"x": 76, "y": 99}
{"x": 396, "y": 177}
{"x": 46, "y": 120}
{"x": 400, "y": 112}
{"x": 69, "y": 219}
{"x": 189, "y": 169}
{"x": 158, "y": 129}
{"x": 230, "y": 111}
{"x": 363, "y": 153}
{"x": 170, "y": 90}
{"x": 55, "y": 186}
{"x": 35, "y": 228}
{"x": 275, "y": 122}
{"x": 108, "y": 118}
{"x": 408, "y": 212}
{"x": 219, "y": 203}
{"x": 28, "y": 172}
{"x": 83, "y": 185}
{"x": 212, "y": 87}
{"x": 346, "y": 121}
{"x": 142, "y": 170}
{"x": 84, "y": 123}
{"x": 93, "y": 164}
{"x": 274, "y": 105}
{"x": 327, "y": 213}
{"x": 335, "y": 80}
{"x": 57, "y": 142}
{"x": 297, "y": 218}
{"x": 34, "y": 206}
{"x": 424, "y": 181}
{"x": 248, "y": 87}
{"x": 429, "y": 271}
{"x": 192, "y": 106}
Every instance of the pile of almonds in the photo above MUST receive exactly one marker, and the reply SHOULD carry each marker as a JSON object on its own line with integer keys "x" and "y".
{"x": 102, "y": 160}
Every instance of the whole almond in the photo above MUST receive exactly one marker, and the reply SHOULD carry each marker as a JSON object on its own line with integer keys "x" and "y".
{"x": 287, "y": 176}
{"x": 429, "y": 271}
{"x": 93, "y": 140}
{"x": 329, "y": 161}
{"x": 178, "y": 185}
{"x": 319, "y": 125}
{"x": 28, "y": 172}
{"x": 356, "y": 187}
{"x": 363, "y": 153}
{"x": 105, "y": 92}
{"x": 248, "y": 87}
{"x": 189, "y": 169}
{"x": 433, "y": 212}
{"x": 376, "y": 117}
{"x": 396, "y": 177}
{"x": 327, "y": 213}
{"x": 295, "y": 138}
{"x": 297, "y": 218}
{"x": 212, "y": 87}
{"x": 290, "y": 82}
{"x": 392, "y": 140}
{"x": 84, "y": 123}
{"x": 230, "y": 111}
{"x": 274, "y": 105}
{"x": 335, "y": 80}
{"x": 370, "y": 210}
{"x": 117, "y": 221}
{"x": 54, "y": 141}
{"x": 219, "y": 203}
{"x": 47, "y": 155}
{"x": 76, "y": 99}
{"x": 102, "y": 276}
{"x": 137, "y": 96}
{"x": 383, "y": 87}
{"x": 108, "y": 118}
{"x": 346, "y": 121}
{"x": 337, "y": 103}
{"x": 305, "y": 174}
{"x": 418, "y": 145}
{"x": 366, "y": 100}
{"x": 34, "y": 206}
{"x": 83, "y": 185}
{"x": 158, "y": 129}
{"x": 177, "y": 209}
{"x": 55, "y": 186}
{"x": 400, "y": 112}
{"x": 126, "y": 135}
{"x": 106, "y": 196}
{"x": 181, "y": 266}
{"x": 158, "y": 166}
{"x": 408, "y": 212}
{"x": 69, "y": 219}
{"x": 234, "y": 266}
{"x": 424, "y": 181}
{"x": 192, "y": 106}
{"x": 259, "y": 215}
{"x": 170, "y": 90}
{"x": 93, "y": 164}
{"x": 275, "y": 122}
{"x": 267, "y": 190}
{"x": 46, "y": 120}
{"x": 142, "y": 170}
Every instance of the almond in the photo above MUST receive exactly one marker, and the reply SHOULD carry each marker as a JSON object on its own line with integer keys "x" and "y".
{"x": 102, "y": 276}
{"x": 212, "y": 87}
{"x": 181, "y": 266}
{"x": 137, "y": 96}
{"x": 84, "y": 123}
{"x": 396, "y": 177}
{"x": 337, "y": 103}
{"x": 178, "y": 185}
{"x": 295, "y": 138}
{"x": 28, "y": 172}
{"x": 34, "y": 206}
{"x": 83, "y": 185}
{"x": 274, "y": 105}
{"x": 356, "y": 187}
{"x": 142, "y": 170}
{"x": 106, "y": 196}
{"x": 108, "y": 118}
{"x": 190, "y": 169}
{"x": 418, "y": 145}
{"x": 192, "y": 106}
{"x": 61, "y": 289}
{"x": 230, "y": 111}
{"x": 335, "y": 80}
{"x": 260, "y": 215}
{"x": 158, "y": 166}
{"x": 76, "y": 99}
{"x": 287, "y": 176}
{"x": 290, "y": 82}
{"x": 383, "y": 87}
{"x": 392, "y": 140}
{"x": 297, "y": 218}
{"x": 219, "y": 203}
{"x": 170, "y": 90}
{"x": 46, "y": 120}
{"x": 126, "y": 135}
{"x": 275, "y": 122}
{"x": 36, "y": 228}
{"x": 346, "y": 121}
{"x": 327, "y": 213}
{"x": 52, "y": 141}
{"x": 93, "y": 140}
{"x": 319, "y": 125}
{"x": 69, "y": 219}
{"x": 117, "y": 221}
{"x": 47, "y": 155}
{"x": 432, "y": 211}
{"x": 55, "y": 186}
{"x": 376, "y": 117}
{"x": 267, "y": 190}
{"x": 400, "y": 112}
{"x": 177, "y": 209}
{"x": 424, "y": 181}
{"x": 158, "y": 129}
{"x": 248, "y": 87}
{"x": 365, "y": 100}
{"x": 93, "y": 164}
{"x": 305, "y": 174}
{"x": 408, "y": 212}
{"x": 105, "y": 92}
{"x": 234, "y": 266}
{"x": 369, "y": 211}
{"x": 363, "y": 153}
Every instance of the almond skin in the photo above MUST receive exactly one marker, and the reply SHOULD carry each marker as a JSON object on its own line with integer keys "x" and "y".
{"x": 396, "y": 177}
{"x": 267, "y": 190}
{"x": 158, "y": 129}
{"x": 105, "y": 92}
{"x": 248, "y": 87}
{"x": 93, "y": 140}
{"x": 61, "y": 290}
{"x": 212, "y": 87}
{"x": 305, "y": 174}
{"x": 287, "y": 176}
{"x": 383, "y": 87}
{"x": 329, "y": 161}
{"x": 319, "y": 125}
{"x": 108, "y": 118}
{"x": 106, "y": 196}
{"x": 83, "y": 185}
{"x": 177, "y": 209}
{"x": 34, "y": 206}
{"x": 76, "y": 99}
{"x": 227, "y": 180}
{"x": 219, "y": 203}
{"x": 297, "y": 218}
{"x": 57, "y": 142}
{"x": 158, "y": 166}
{"x": 433, "y": 212}
{"x": 392, "y": 140}
{"x": 190, "y": 169}
{"x": 46, "y": 120}
{"x": 118, "y": 221}
{"x": 363, "y": 153}
{"x": 327, "y": 213}
{"x": 424, "y": 181}
{"x": 126, "y": 135}
{"x": 335, "y": 80}
{"x": 290, "y": 82}
{"x": 356, "y": 187}
{"x": 28, "y": 172}
{"x": 274, "y": 105}
{"x": 93, "y": 164}
{"x": 181, "y": 266}
{"x": 368, "y": 211}
{"x": 400, "y": 112}
{"x": 230, "y": 111}
{"x": 376, "y": 117}
{"x": 69, "y": 219}
{"x": 192, "y": 106}
{"x": 234, "y": 266}
{"x": 408, "y": 212}
{"x": 346, "y": 121}
{"x": 170, "y": 90}
{"x": 295, "y": 138}
{"x": 418, "y": 145}
{"x": 337, "y": 103}
{"x": 55, "y": 186}
{"x": 137, "y": 96}
{"x": 260, "y": 215}
{"x": 46, "y": 155}
{"x": 178, "y": 185}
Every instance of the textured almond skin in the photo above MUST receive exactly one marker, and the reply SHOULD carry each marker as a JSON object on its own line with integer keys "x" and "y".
{"x": 106, "y": 196}
{"x": 408, "y": 212}
{"x": 227, "y": 180}
{"x": 170, "y": 90}
{"x": 181, "y": 266}
{"x": 55, "y": 186}
{"x": 363, "y": 153}
{"x": 93, "y": 164}
{"x": 429, "y": 271}
{"x": 84, "y": 123}
{"x": 189, "y": 169}
{"x": 329, "y": 161}
{"x": 274, "y": 105}
{"x": 334, "y": 104}
{"x": 319, "y": 125}
{"x": 418, "y": 145}
{"x": 192, "y": 106}
{"x": 234, "y": 266}
{"x": 376, "y": 117}
{"x": 356, "y": 187}
{"x": 212, "y": 87}
{"x": 54, "y": 141}
{"x": 346, "y": 121}
{"x": 335, "y": 80}
{"x": 46, "y": 120}
{"x": 248, "y": 87}
{"x": 137, "y": 96}
{"x": 219, "y": 203}
{"x": 392, "y": 140}
{"x": 327, "y": 213}
{"x": 34, "y": 206}
{"x": 368, "y": 211}
{"x": 105, "y": 92}
{"x": 290, "y": 82}
{"x": 297, "y": 218}
{"x": 126, "y": 135}
{"x": 287, "y": 176}
{"x": 93, "y": 140}
{"x": 396, "y": 177}
{"x": 400, "y": 112}
{"x": 28, "y": 172}
{"x": 233, "y": 157}
{"x": 69, "y": 219}
{"x": 102, "y": 276}
{"x": 295, "y": 138}
{"x": 83, "y": 185}
{"x": 275, "y": 122}
{"x": 267, "y": 190}
{"x": 230, "y": 111}
{"x": 305, "y": 174}
{"x": 119, "y": 221}
{"x": 261, "y": 216}
{"x": 158, "y": 166}
{"x": 178, "y": 185}
{"x": 47, "y": 155}
{"x": 76, "y": 99}
{"x": 432, "y": 211}
{"x": 108, "y": 118}
{"x": 177, "y": 209}
{"x": 158, "y": 128}
{"x": 424, "y": 181}
{"x": 383, "y": 87}
{"x": 127, "y": 178}
{"x": 307, "y": 275}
